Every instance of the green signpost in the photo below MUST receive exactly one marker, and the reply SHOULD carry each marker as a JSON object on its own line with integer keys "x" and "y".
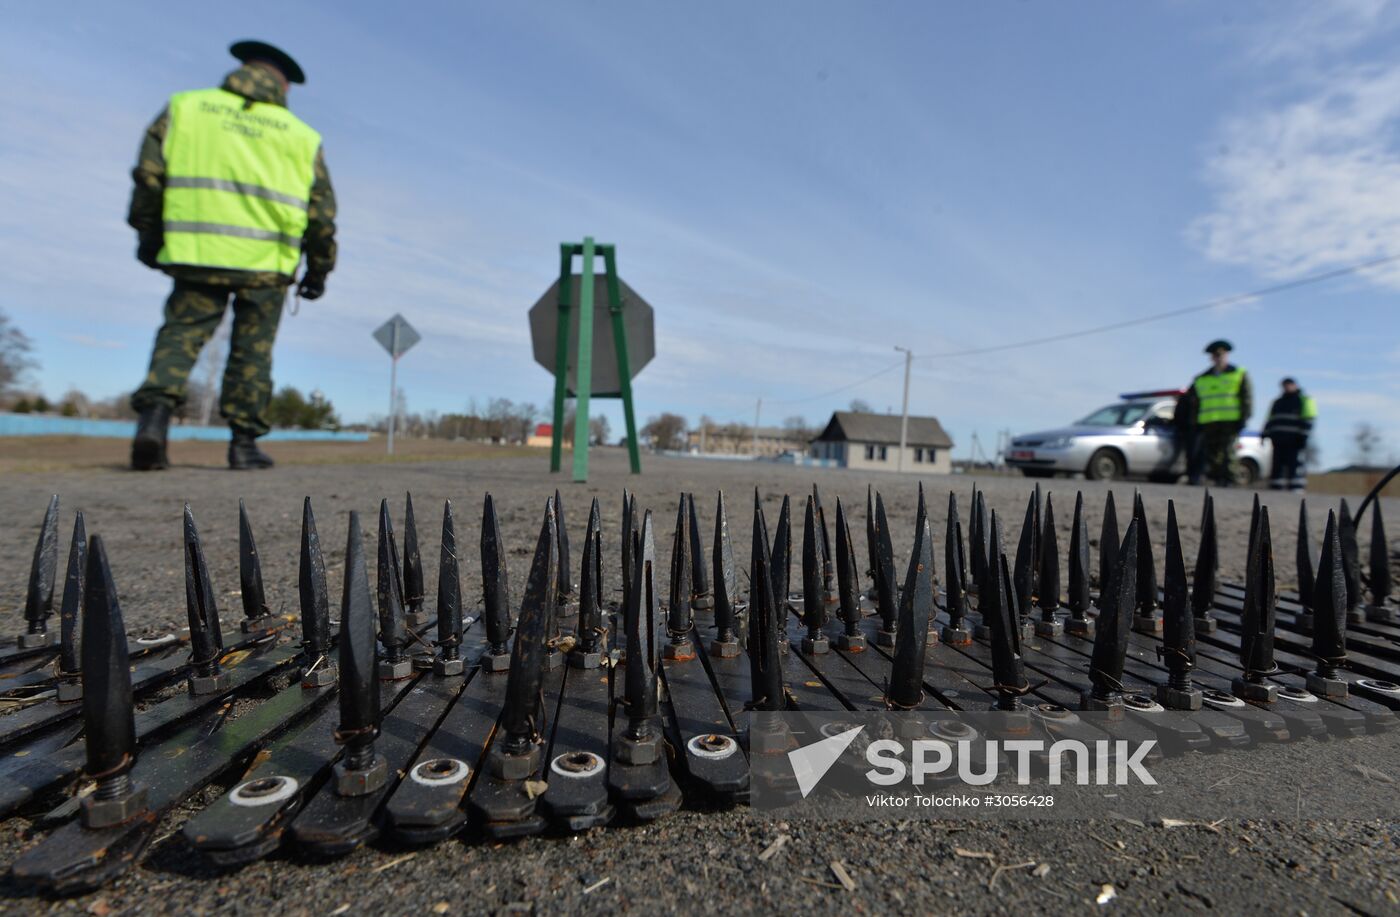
{"x": 589, "y": 362}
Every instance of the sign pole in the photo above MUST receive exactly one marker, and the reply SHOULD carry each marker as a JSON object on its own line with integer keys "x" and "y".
{"x": 393, "y": 382}
{"x": 624, "y": 368}
{"x": 561, "y": 355}
{"x": 583, "y": 386}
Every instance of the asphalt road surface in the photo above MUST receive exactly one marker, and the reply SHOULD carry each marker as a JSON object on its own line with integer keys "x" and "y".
{"x": 695, "y": 861}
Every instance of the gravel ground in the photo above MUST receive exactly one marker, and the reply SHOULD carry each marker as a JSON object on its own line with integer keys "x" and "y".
{"x": 694, "y": 861}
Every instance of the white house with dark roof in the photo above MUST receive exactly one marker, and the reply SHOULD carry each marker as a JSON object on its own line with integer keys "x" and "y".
{"x": 870, "y": 442}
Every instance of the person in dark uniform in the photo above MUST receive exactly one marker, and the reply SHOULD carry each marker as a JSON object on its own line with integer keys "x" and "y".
{"x": 1290, "y": 424}
{"x": 231, "y": 192}
{"x": 1184, "y": 435}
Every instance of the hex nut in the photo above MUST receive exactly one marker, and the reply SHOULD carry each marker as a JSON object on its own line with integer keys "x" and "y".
{"x": 770, "y": 741}
{"x": 701, "y": 602}
{"x": 982, "y": 632}
{"x": 321, "y": 677}
{"x": 444, "y": 667}
{"x": 724, "y": 649}
{"x": 1331, "y": 688}
{"x": 495, "y": 662}
{"x": 419, "y": 618}
{"x": 34, "y": 641}
{"x": 1254, "y": 691}
{"x": 581, "y": 660}
{"x": 69, "y": 691}
{"x": 395, "y": 671}
{"x": 1208, "y": 625}
{"x": 552, "y": 660}
{"x": 1049, "y": 628}
{"x": 1148, "y": 624}
{"x": 815, "y": 646}
{"x": 260, "y": 623}
{"x": 105, "y": 813}
{"x": 1080, "y": 627}
{"x": 209, "y": 684}
{"x": 851, "y": 643}
{"x": 678, "y": 650}
{"x": 1179, "y": 699}
{"x": 1380, "y": 614}
{"x": 1113, "y": 706}
{"x": 361, "y": 782}
{"x": 884, "y": 637}
{"x": 638, "y": 751}
{"x": 515, "y": 767}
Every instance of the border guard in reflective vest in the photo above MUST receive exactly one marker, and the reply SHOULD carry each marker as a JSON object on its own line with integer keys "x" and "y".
{"x": 231, "y": 193}
{"x": 1224, "y": 402}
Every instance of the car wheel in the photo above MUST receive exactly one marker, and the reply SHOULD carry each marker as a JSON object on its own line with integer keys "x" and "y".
{"x": 1037, "y": 472}
{"x": 1105, "y": 465}
{"x": 1246, "y": 473}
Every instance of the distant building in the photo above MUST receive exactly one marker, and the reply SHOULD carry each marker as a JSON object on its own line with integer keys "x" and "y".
{"x": 542, "y": 435}
{"x": 737, "y": 439}
{"x": 871, "y": 442}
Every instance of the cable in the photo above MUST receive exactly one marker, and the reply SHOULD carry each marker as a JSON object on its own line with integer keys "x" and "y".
{"x": 1172, "y": 313}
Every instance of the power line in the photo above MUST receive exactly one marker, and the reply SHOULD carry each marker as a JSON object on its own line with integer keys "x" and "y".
{"x": 850, "y": 385}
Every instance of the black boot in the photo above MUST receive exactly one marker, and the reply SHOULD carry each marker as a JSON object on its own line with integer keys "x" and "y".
{"x": 148, "y": 447}
{"x": 244, "y": 454}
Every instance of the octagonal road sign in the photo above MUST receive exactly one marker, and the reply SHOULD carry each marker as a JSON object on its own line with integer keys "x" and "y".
{"x": 637, "y": 320}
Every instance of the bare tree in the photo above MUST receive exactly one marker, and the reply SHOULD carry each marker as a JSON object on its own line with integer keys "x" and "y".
{"x": 860, "y": 406}
{"x": 1366, "y": 444}
{"x": 665, "y": 432}
{"x": 598, "y": 430}
{"x": 14, "y": 355}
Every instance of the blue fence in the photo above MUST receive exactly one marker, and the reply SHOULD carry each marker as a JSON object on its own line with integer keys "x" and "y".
{"x": 47, "y": 425}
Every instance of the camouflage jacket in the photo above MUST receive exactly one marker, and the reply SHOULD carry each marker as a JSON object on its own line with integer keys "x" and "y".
{"x": 255, "y": 83}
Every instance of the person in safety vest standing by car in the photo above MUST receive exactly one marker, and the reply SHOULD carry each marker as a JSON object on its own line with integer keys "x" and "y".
{"x": 1224, "y": 402}
{"x": 1288, "y": 428}
{"x": 231, "y": 191}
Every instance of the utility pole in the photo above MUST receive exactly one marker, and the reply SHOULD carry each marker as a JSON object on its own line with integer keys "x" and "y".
{"x": 753, "y": 437}
{"x": 904, "y": 412}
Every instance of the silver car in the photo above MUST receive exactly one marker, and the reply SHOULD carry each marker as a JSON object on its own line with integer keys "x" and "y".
{"x": 1133, "y": 438}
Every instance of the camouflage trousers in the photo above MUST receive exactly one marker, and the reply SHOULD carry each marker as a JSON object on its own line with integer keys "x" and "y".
{"x": 1217, "y": 444}
{"x": 192, "y": 314}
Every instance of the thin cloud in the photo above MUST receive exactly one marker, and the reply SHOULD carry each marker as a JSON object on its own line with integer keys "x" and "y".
{"x": 87, "y": 340}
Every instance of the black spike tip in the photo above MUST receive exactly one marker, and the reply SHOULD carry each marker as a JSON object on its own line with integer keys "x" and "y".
{"x": 522, "y": 716}
{"x": 250, "y": 578}
{"x": 1178, "y": 649}
{"x": 43, "y": 570}
{"x": 1329, "y": 636}
{"x": 639, "y": 677}
{"x": 414, "y": 595}
{"x": 495, "y": 586}
{"x": 1114, "y": 625}
{"x": 765, "y": 623}
{"x": 449, "y": 599}
{"x": 319, "y": 668}
{"x": 592, "y": 633}
{"x": 360, "y": 770}
{"x": 813, "y": 597}
{"x": 393, "y": 626}
{"x": 679, "y": 622}
{"x": 700, "y": 598}
{"x": 70, "y": 608}
{"x": 206, "y": 637}
{"x": 905, "y": 690}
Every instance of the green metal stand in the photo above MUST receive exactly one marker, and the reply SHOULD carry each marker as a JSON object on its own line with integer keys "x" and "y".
{"x": 584, "y": 392}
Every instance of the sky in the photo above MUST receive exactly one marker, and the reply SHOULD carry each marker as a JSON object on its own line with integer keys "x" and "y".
{"x": 796, "y": 188}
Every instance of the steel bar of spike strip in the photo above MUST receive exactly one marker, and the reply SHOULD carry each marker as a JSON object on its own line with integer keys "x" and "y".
{"x": 377, "y": 747}
{"x": 638, "y": 774}
{"x": 516, "y": 756}
{"x": 577, "y": 796}
{"x": 705, "y": 737}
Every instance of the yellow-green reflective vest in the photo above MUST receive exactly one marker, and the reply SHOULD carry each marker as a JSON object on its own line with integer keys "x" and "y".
{"x": 238, "y": 183}
{"x": 1219, "y": 396}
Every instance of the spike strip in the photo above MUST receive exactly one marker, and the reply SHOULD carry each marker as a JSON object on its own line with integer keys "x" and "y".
{"x": 1329, "y": 636}
{"x": 393, "y": 624}
{"x": 916, "y": 601}
{"x": 828, "y": 561}
{"x": 813, "y": 597}
{"x": 1303, "y": 565}
{"x": 565, "y": 587}
{"x": 1108, "y": 546}
{"x": 1114, "y": 625}
{"x": 629, "y": 525}
{"x": 495, "y": 587}
{"x": 955, "y": 631}
{"x": 1178, "y": 649}
{"x": 679, "y": 622}
{"x": 206, "y": 637}
{"x": 782, "y": 559}
{"x": 320, "y": 668}
{"x": 995, "y": 602}
{"x": 1023, "y": 569}
{"x": 449, "y": 600}
{"x": 726, "y": 642}
{"x": 43, "y": 570}
{"x": 1377, "y": 609}
{"x": 1207, "y": 563}
{"x": 414, "y": 595}
{"x": 70, "y": 684}
{"x": 700, "y": 597}
{"x": 1048, "y": 568}
{"x": 591, "y": 638}
{"x": 847, "y": 585}
{"x": 885, "y": 582}
{"x": 1257, "y": 620}
{"x": 1080, "y": 600}
{"x": 360, "y": 771}
{"x": 257, "y": 615}
{"x": 1145, "y": 617}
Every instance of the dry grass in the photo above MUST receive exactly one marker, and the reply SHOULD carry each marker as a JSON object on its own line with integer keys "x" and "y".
{"x": 72, "y": 453}
{"x": 1351, "y": 482}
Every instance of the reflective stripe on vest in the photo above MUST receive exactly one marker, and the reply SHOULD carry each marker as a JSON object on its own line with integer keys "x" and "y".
{"x": 239, "y": 183}
{"x": 1219, "y": 396}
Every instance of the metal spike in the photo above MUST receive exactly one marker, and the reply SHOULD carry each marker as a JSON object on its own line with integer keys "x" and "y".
{"x": 414, "y": 594}
{"x": 1178, "y": 650}
{"x": 765, "y": 623}
{"x": 566, "y": 577}
{"x": 629, "y": 523}
{"x": 955, "y": 632}
{"x": 885, "y": 583}
{"x": 495, "y": 588}
{"x": 1079, "y": 621}
{"x": 1329, "y": 636}
{"x": 70, "y": 686}
{"x": 1253, "y": 526}
{"x": 1351, "y": 564}
{"x": 257, "y": 615}
{"x": 1023, "y": 570}
{"x": 320, "y": 668}
{"x": 109, "y": 715}
{"x": 1108, "y": 545}
{"x": 1207, "y": 562}
{"x": 38, "y": 599}
{"x": 1048, "y": 587}
{"x": 1257, "y": 620}
{"x": 847, "y": 585}
{"x": 393, "y": 628}
{"x": 360, "y": 770}
{"x": 726, "y": 642}
{"x": 1302, "y": 559}
{"x": 905, "y": 689}
{"x": 679, "y": 621}
{"x": 813, "y": 599}
{"x": 588, "y": 649}
{"x": 1145, "y": 619}
{"x": 1036, "y": 531}
{"x": 206, "y": 637}
{"x": 641, "y": 739}
{"x": 1380, "y": 570}
{"x": 516, "y": 754}
{"x": 700, "y": 598}
{"x": 782, "y": 559}
{"x": 1114, "y": 625}
{"x": 828, "y": 564}
{"x": 975, "y": 556}
{"x": 449, "y": 600}
{"x": 999, "y": 617}
{"x": 871, "y": 542}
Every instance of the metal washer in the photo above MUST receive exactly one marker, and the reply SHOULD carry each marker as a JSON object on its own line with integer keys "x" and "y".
{"x": 595, "y": 765}
{"x": 729, "y": 746}
{"x": 286, "y": 789}
{"x": 421, "y": 775}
